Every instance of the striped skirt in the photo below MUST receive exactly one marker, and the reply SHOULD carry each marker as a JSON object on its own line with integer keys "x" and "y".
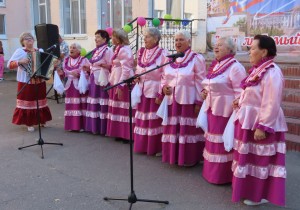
{"x": 217, "y": 161}
{"x": 148, "y": 128}
{"x": 75, "y": 109}
{"x": 26, "y": 112}
{"x": 118, "y": 115}
{"x": 182, "y": 142}
{"x": 258, "y": 167}
{"x": 97, "y": 107}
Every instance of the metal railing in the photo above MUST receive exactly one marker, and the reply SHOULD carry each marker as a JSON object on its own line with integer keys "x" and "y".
{"x": 167, "y": 29}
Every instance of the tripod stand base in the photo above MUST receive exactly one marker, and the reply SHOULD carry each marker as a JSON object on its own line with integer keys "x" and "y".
{"x": 133, "y": 199}
{"x": 41, "y": 143}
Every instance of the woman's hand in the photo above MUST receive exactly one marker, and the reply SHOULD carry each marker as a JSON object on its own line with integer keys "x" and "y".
{"x": 158, "y": 101}
{"x": 259, "y": 134}
{"x": 23, "y": 61}
{"x": 59, "y": 72}
{"x": 235, "y": 103}
{"x": 197, "y": 109}
{"x": 167, "y": 90}
{"x": 86, "y": 68}
{"x": 74, "y": 73}
{"x": 104, "y": 65}
{"x": 204, "y": 94}
{"x": 120, "y": 94}
{"x": 56, "y": 63}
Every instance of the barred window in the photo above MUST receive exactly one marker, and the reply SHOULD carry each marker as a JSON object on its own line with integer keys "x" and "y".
{"x": 74, "y": 16}
{"x": 41, "y": 11}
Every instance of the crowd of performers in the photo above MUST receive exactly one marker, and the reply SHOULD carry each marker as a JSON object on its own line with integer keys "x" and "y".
{"x": 256, "y": 164}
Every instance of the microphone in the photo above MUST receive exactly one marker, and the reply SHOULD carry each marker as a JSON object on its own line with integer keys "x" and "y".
{"x": 51, "y": 48}
{"x": 176, "y": 55}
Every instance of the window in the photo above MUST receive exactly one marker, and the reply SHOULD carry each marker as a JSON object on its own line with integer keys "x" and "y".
{"x": 2, "y": 24}
{"x": 2, "y": 3}
{"x": 105, "y": 14}
{"x": 41, "y": 10}
{"x": 115, "y": 13}
{"x": 74, "y": 17}
{"x": 172, "y": 7}
{"x": 127, "y": 11}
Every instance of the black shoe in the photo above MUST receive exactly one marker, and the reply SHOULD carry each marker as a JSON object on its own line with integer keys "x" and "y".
{"x": 119, "y": 139}
{"x": 124, "y": 141}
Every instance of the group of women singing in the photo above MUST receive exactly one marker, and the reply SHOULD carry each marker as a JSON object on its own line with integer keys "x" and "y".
{"x": 255, "y": 166}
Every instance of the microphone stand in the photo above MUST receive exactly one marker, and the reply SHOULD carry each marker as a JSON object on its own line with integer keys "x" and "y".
{"x": 132, "y": 198}
{"x": 34, "y": 76}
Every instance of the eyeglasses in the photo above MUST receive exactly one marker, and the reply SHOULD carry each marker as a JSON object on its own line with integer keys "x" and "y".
{"x": 28, "y": 38}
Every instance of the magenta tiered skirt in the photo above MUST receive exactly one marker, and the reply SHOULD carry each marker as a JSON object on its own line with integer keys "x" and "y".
{"x": 148, "y": 128}
{"x": 217, "y": 161}
{"x": 97, "y": 107}
{"x": 182, "y": 142}
{"x": 258, "y": 167}
{"x": 118, "y": 115}
{"x": 75, "y": 109}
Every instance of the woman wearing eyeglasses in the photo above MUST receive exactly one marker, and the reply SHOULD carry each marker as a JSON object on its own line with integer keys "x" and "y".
{"x": 26, "y": 110}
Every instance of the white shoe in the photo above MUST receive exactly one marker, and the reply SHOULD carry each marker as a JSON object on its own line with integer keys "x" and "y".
{"x": 30, "y": 129}
{"x": 158, "y": 154}
{"x": 252, "y": 203}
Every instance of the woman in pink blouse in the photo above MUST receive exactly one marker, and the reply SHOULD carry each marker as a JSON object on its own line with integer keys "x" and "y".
{"x": 97, "y": 101}
{"x": 221, "y": 87}
{"x": 75, "y": 101}
{"x": 259, "y": 171}
{"x": 148, "y": 128}
{"x": 182, "y": 142}
{"x": 118, "y": 104}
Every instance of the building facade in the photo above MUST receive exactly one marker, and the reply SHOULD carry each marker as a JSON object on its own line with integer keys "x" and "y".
{"x": 79, "y": 19}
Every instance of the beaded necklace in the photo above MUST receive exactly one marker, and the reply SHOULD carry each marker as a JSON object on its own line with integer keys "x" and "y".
{"x": 148, "y": 62}
{"x": 98, "y": 53}
{"x": 182, "y": 64}
{"x": 221, "y": 69}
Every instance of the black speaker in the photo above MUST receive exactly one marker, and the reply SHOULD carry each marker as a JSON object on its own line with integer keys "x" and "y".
{"x": 47, "y": 35}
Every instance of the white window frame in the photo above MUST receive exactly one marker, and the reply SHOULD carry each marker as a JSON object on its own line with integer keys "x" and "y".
{"x": 71, "y": 33}
{"x": 166, "y": 6}
{"x": 46, "y": 10}
{"x": 36, "y": 12}
{"x": 111, "y": 18}
{"x": 2, "y": 3}
{"x": 4, "y": 25}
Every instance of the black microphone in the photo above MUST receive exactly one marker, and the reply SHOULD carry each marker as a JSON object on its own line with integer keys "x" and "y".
{"x": 51, "y": 48}
{"x": 176, "y": 55}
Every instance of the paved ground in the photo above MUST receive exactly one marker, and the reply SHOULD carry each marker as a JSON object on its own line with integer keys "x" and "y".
{"x": 88, "y": 167}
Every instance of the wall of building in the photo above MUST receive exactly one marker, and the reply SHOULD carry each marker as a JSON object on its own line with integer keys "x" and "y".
{"x": 18, "y": 20}
{"x": 140, "y": 8}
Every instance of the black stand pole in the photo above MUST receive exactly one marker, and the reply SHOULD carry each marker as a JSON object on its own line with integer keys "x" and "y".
{"x": 54, "y": 97}
{"x": 132, "y": 196}
{"x": 40, "y": 141}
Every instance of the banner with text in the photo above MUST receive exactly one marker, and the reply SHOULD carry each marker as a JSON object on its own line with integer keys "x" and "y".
{"x": 243, "y": 19}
